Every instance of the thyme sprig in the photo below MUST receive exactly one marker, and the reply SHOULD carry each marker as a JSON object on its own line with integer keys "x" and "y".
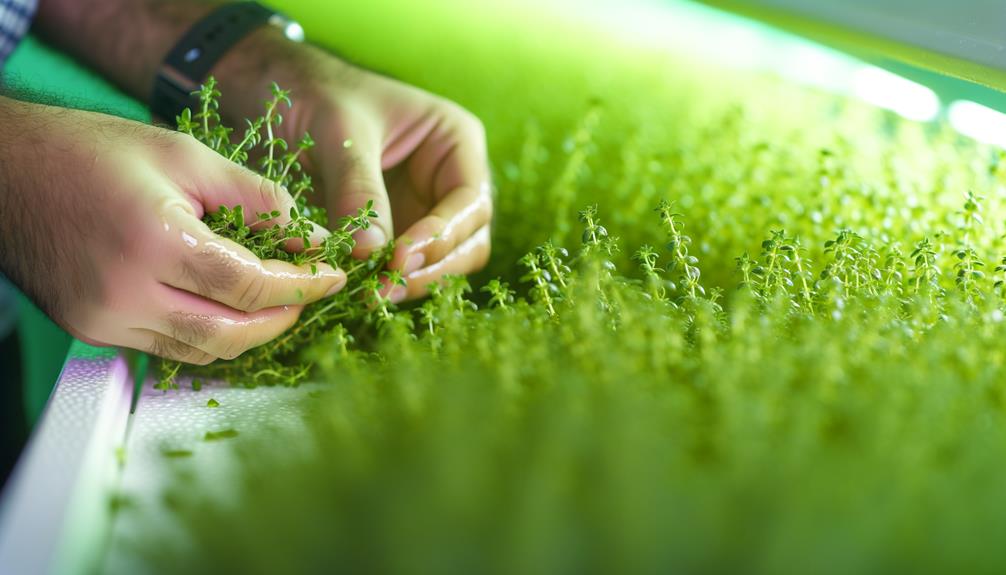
{"x": 263, "y": 234}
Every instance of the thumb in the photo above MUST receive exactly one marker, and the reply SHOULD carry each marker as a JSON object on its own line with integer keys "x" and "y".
{"x": 225, "y": 183}
{"x": 352, "y": 180}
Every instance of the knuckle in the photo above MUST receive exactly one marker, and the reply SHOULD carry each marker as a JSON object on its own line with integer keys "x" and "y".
{"x": 170, "y": 348}
{"x": 236, "y": 344}
{"x": 194, "y": 329}
{"x": 192, "y": 356}
{"x": 205, "y": 359}
{"x": 185, "y": 146}
{"x": 456, "y": 115}
{"x": 255, "y": 293}
{"x": 470, "y": 124}
{"x": 272, "y": 194}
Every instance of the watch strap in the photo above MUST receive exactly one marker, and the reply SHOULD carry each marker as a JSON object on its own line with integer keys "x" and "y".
{"x": 190, "y": 61}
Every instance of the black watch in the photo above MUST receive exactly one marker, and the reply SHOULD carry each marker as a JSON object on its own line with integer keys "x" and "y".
{"x": 190, "y": 61}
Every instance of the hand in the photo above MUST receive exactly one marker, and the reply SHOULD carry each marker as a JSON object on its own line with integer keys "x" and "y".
{"x": 421, "y": 159}
{"x": 101, "y": 228}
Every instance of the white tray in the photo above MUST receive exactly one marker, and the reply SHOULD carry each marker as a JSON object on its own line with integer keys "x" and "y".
{"x": 56, "y": 511}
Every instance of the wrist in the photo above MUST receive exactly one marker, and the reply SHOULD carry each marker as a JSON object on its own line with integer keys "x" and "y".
{"x": 30, "y": 128}
{"x": 15, "y": 116}
{"x": 125, "y": 40}
{"x": 247, "y": 72}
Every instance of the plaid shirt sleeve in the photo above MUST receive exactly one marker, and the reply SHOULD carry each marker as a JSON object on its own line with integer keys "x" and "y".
{"x": 15, "y": 18}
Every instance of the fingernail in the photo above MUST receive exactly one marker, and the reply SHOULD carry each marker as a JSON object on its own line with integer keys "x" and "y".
{"x": 337, "y": 286}
{"x": 414, "y": 262}
{"x": 397, "y": 294}
{"x": 370, "y": 238}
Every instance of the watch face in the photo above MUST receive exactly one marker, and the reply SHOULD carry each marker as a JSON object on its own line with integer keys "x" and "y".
{"x": 292, "y": 30}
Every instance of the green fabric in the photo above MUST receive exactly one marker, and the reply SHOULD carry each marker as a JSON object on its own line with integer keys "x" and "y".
{"x": 48, "y": 76}
{"x": 51, "y": 76}
{"x": 43, "y": 349}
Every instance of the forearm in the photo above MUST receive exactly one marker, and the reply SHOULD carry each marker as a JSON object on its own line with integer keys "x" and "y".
{"x": 34, "y": 145}
{"x": 126, "y": 40}
{"x": 12, "y": 208}
{"x": 247, "y": 71}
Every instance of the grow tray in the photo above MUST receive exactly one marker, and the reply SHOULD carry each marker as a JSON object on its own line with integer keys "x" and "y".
{"x": 92, "y": 472}
{"x": 93, "y": 469}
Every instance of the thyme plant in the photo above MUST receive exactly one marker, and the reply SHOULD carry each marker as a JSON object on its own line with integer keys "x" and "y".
{"x": 361, "y": 302}
{"x": 793, "y": 365}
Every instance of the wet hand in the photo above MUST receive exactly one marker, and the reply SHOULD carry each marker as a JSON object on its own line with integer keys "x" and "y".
{"x": 125, "y": 258}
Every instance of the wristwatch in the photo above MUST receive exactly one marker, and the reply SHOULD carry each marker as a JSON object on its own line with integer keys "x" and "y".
{"x": 190, "y": 61}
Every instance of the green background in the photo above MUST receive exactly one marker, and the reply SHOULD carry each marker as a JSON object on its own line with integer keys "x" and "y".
{"x": 405, "y": 40}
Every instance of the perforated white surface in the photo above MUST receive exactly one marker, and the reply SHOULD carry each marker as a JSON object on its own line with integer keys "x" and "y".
{"x": 168, "y": 430}
{"x": 53, "y": 506}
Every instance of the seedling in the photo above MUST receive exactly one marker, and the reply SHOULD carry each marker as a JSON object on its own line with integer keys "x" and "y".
{"x": 360, "y": 301}
{"x": 598, "y": 395}
{"x": 222, "y": 434}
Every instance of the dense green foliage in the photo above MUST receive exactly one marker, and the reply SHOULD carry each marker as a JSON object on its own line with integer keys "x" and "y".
{"x": 266, "y": 237}
{"x": 788, "y": 360}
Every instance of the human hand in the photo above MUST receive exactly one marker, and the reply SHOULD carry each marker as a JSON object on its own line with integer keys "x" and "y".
{"x": 101, "y": 228}
{"x": 421, "y": 159}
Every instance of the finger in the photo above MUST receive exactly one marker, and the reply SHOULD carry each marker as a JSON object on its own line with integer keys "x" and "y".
{"x": 221, "y": 182}
{"x": 453, "y": 154}
{"x": 167, "y": 347}
{"x": 90, "y": 340}
{"x": 221, "y": 270}
{"x": 453, "y": 158}
{"x": 353, "y": 177}
{"x": 470, "y": 256}
{"x": 150, "y": 341}
{"x": 449, "y": 224}
{"x": 218, "y": 330}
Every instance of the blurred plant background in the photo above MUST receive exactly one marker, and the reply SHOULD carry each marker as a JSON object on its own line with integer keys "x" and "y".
{"x": 829, "y": 401}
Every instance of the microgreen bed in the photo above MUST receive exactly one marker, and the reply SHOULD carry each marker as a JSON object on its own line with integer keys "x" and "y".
{"x": 730, "y": 325}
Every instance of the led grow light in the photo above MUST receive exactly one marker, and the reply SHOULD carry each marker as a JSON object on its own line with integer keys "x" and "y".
{"x": 892, "y": 92}
{"x": 979, "y": 122}
{"x": 954, "y": 48}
